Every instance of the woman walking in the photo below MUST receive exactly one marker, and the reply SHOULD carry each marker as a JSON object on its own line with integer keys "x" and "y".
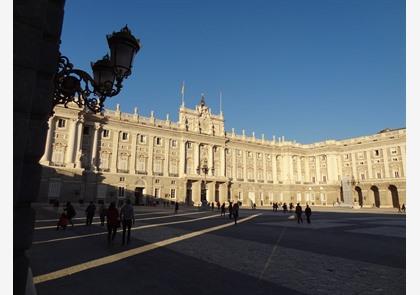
{"x": 112, "y": 221}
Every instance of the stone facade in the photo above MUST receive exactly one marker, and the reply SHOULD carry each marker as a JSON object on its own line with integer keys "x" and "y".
{"x": 116, "y": 155}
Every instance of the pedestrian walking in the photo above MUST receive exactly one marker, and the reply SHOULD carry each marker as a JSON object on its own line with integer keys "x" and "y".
{"x": 176, "y": 207}
{"x": 230, "y": 209}
{"x": 112, "y": 221}
{"x": 70, "y": 212}
{"x": 298, "y": 212}
{"x": 218, "y": 205}
{"x": 62, "y": 221}
{"x": 223, "y": 209}
{"x": 284, "y": 208}
{"x": 308, "y": 213}
{"x": 274, "y": 207}
{"x": 235, "y": 211}
{"x": 90, "y": 212}
{"x": 127, "y": 219}
{"x": 212, "y": 206}
{"x": 102, "y": 213}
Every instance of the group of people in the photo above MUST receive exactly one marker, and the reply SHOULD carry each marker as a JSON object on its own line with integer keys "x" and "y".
{"x": 299, "y": 211}
{"x": 124, "y": 217}
{"x": 233, "y": 209}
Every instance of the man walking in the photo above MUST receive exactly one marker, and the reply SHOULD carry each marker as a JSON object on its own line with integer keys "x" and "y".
{"x": 90, "y": 212}
{"x": 235, "y": 211}
{"x": 223, "y": 209}
{"x": 298, "y": 212}
{"x": 176, "y": 207}
{"x": 127, "y": 219}
{"x": 230, "y": 208}
{"x": 308, "y": 213}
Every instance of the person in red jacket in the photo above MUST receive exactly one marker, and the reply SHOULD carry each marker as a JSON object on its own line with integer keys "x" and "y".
{"x": 113, "y": 221}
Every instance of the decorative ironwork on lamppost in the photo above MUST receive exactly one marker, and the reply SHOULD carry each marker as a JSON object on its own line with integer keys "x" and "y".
{"x": 74, "y": 85}
{"x": 205, "y": 169}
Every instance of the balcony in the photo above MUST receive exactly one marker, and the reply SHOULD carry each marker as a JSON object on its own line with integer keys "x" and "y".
{"x": 240, "y": 179}
{"x": 269, "y": 181}
{"x": 141, "y": 172}
{"x": 260, "y": 180}
{"x": 57, "y": 164}
{"x": 251, "y": 180}
{"x": 103, "y": 169}
{"x": 157, "y": 173}
{"x": 122, "y": 171}
{"x": 173, "y": 174}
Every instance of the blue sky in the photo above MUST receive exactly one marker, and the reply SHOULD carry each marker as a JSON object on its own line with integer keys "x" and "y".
{"x": 307, "y": 70}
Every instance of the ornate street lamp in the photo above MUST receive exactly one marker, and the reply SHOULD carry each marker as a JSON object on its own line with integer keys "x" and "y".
{"x": 205, "y": 169}
{"x": 74, "y": 85}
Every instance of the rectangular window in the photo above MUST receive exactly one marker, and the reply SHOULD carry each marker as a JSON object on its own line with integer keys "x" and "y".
{"x": 378, "y": 175}
{"x": 158, "y": 141}
{"x": 61, "y": 123}
{"x": 173, "y": 143}
{"x": 313, "y": 179}
{"x": 324, "y": 178}
{"x": 105, "y": 133}
{"x": 396, "y": 174}
{"x": 394, "y": 151}
{"x": 86, "y": 130}
{"x": 156, "y": 193}
{"x": 173, "y": 193}
{"x": 121, "y": 191}
{"x": 189, "y": 145}
{"x": 122, "y": 178}
{"x": 124, "y": 136}
{"x": 376, "y": 153}
{"x": 362, "y": 176}
{"x": 142, "y": 139}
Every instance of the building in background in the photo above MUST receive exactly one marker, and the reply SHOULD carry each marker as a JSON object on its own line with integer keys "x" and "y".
{"x": 115, "y": 155}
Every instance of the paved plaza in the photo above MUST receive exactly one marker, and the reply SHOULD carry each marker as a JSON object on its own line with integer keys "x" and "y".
{"x": 200, "y": 252}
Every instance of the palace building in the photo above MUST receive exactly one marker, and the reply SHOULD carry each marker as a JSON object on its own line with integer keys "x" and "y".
{"x": 115, "y": 155}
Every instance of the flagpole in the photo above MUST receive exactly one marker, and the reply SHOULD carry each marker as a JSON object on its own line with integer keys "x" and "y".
{"x": 220, "y": 102}
{"x": 182, "y": 93}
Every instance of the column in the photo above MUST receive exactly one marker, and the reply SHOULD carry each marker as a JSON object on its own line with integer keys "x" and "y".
{"x": 331, "y": 168}
{"x": 166, "y": 159}
{"x": 195, "y": 190}
{"x": 71, "y": 144}
{"x": 307, "y": 175}
{"x": 299, "y": 169}
{"x": 196, "y": 157}
{"x": 290, "y": 165}
{"x": 403, "y": 156}
{"x": 182, "y": 158}
{"x": 317, "y": 169}
{"x": 264, "y": 167}
{"x": 211, "y": 189}
{"x": 211, "y": 161}
{"x": 254, "y": 154}
{"x": 114, "y": 156}
{"x": 369, "y": 164}
{"x": 354, "y": 165}
{"x": 244, "y": 166}
{"x": 233, "y": 154}
{"x": 274, "y": 167}
{"x": 386, "y": 163}
{"x": 223, "y": 193}
{"x": 94, "y": 158}
{"x": 340, "y": 167}
{"x": 133, "y": 156}
{"x": 79, "y": 143}
{"x": 284, "y": 169}
{"x": 47, "y": 154}
{"x": 150, "y": 155}
{"x": 223, "y": 162}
